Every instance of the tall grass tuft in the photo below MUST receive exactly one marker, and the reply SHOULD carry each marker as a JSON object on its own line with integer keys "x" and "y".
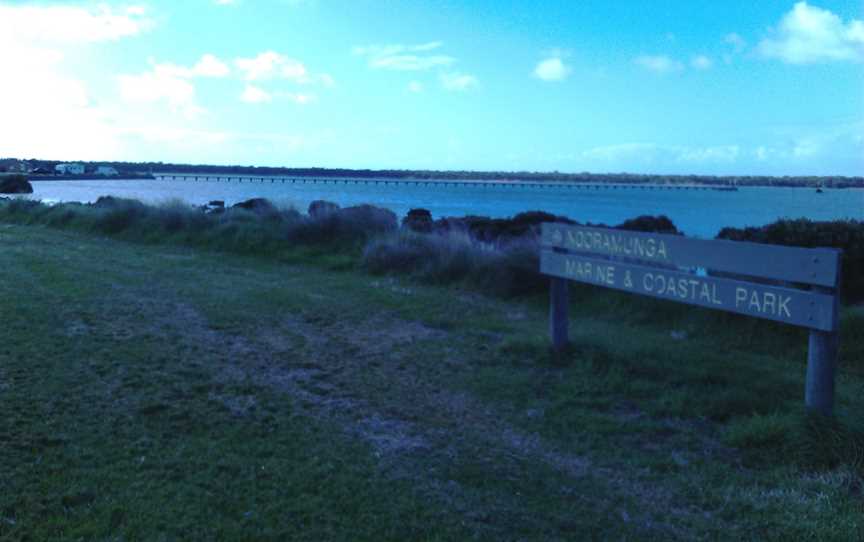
{"x": 454, "y": 257}
{"x": 262, "y": 230}
{"x": 809, "y": 440}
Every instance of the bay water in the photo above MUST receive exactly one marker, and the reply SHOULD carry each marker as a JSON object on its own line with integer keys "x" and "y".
{"x": 698, "y": 213}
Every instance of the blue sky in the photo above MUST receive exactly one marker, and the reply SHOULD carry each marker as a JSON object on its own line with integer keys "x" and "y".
{"x": 732, "y": 87}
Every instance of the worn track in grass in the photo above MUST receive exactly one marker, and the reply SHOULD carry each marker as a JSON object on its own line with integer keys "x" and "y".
{"x": 445, "y": 400}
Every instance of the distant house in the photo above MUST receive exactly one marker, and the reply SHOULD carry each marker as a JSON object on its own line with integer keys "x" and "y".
{"x": 18, "y": 166}
{"x": 69, "y": 169}
{"x": 106, "y": 171}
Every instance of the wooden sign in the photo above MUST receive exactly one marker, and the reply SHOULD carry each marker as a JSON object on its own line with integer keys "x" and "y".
{"x": 679, "y": 269}
{"x": 788, "y": 305}
{"x": 810, "y": 266}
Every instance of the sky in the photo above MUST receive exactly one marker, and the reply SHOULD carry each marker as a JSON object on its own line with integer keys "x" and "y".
{"x": 667, "y": 86}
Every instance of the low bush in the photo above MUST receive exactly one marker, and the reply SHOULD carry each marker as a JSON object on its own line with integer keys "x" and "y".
{"x": 651, "y": 224}
{"x": 254, "y": 228}
{"x": 432, "y": 258}
{"x": 512, "y": 271}
{"x": 15, "y": 184}
{"x": 847, "y": 235}
{"x": 447, "y": 258}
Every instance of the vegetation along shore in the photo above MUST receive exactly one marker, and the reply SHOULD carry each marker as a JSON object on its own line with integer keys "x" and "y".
{"x": 261, "y": 373}
{"x": 44, "y": 169}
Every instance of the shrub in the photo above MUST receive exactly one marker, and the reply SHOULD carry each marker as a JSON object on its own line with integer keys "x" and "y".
{"x": 498, "y": 230}
{"x": 847, "y": 235}
{"x": 19, "y": 210}
{"x": 15, "y": 184}
{"x": 350, "y": 225}
{"x": 651, "y": 224}
{"x": 512, "y": 271}
{"x": 454, "y": 257}
{"x": 118, "y": 215}
{"x": 419, "y": 220}
{"x": 432, "y": 258}
{"x": 321, "y": 207}
{"x": 400, "y": 253}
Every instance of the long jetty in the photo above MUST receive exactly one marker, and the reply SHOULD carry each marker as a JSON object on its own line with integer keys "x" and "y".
{"x": 198, "y": 177}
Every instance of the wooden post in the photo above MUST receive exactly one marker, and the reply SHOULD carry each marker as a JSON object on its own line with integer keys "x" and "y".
{"x": 821, "y": 362}
{"x": 559, "y": 320}
{"x": 822, "y": 359}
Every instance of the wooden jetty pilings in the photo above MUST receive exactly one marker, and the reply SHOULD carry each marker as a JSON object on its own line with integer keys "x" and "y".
{"x": 426, "y": 182}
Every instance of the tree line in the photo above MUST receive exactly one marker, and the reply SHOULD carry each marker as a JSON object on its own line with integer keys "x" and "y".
{"x": 831, "y": 181}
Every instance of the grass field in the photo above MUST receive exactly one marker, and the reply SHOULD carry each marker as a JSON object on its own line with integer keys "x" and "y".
{"x": 154, "y": 392}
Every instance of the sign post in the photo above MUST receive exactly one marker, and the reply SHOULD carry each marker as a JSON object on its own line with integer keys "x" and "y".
{"x": 559, "y": 320}
{"x": 746, "y": 278}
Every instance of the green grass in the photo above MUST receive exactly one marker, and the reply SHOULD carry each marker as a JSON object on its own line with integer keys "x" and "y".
{"x": 154, "y": 391}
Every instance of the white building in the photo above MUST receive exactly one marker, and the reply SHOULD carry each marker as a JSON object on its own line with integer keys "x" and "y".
{"x": 106, "y": 171}
{"x": 69, "y": 169}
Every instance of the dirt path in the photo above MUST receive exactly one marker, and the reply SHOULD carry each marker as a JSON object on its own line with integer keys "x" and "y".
{"x": 361, "y": 375}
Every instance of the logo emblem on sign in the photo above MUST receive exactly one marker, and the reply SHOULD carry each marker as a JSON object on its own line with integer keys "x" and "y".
{"x": 557, "y": 236}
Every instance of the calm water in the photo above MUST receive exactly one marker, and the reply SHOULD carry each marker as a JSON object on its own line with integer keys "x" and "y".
{"x": 697, "y": 212}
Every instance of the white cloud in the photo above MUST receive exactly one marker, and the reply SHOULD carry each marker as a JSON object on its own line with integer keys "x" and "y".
{"x": 171, "y": 83}
{"x": 552, "y": 69}
{"x": 658, "y": 63}
{"x": 70, "y": 24}
{"x": 255, "y": 95}
{"x": 162, "y": 133}
{"x": 624, "y": 151}
{"x": 272, "y": 65}
{"x": 404, "y": 57}
{"x": 650, "y": 153}
{"x": 300, "y": 99}
{"x": 714, "y": 154}
{"x": 762, "y": 153}
{"x": 210, "y": 66}
{"x": 410, "y": 62}
{"x": 226, "y": 2}
{"x": 701, "y": 62}
{"x": 736, "y": 41}
{"x": 207, "y": 66}
{"x": 798, "y": 149}
{"x": 264, "y": 66}
{"x": 809, "y": 34}
{"x": 153, "y": 86}
{"x": 458, "y": 82}
{"x": 415, "y": 86}
{"x": 49, "y": 105}
{"x": 48, "y": 112}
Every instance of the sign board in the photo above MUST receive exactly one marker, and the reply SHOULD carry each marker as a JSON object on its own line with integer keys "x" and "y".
{"x": 816, "y": 266}
{"x": 765, "y": 283}
{"x": 787, "y": 305}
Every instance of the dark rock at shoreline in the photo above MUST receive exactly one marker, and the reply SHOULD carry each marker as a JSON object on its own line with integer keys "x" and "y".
{"x": 651, "y": 224}
{"x": 419, "y": 220}
{"x": 15, "y": 184}
{"x": 259, "y": 206}
{"x": 527, "y": 226}
{"x": 321, "y": 208}
{"x": 496, "y": 230}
